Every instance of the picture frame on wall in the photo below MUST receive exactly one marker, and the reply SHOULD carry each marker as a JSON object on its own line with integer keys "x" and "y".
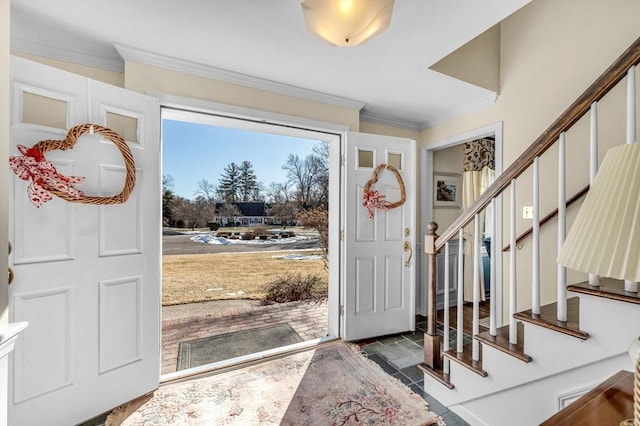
{"x": 447, "y": 190}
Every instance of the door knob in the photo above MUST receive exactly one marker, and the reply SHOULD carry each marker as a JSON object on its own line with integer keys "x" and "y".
{"x": 407, "y": 247}
{"x": 10, "y": 277}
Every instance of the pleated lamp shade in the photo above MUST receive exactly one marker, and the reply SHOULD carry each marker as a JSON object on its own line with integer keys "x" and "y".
{"x": 605, "y": 237}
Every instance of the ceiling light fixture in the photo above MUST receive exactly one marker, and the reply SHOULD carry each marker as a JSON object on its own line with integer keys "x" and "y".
{"x": 347, "y": 22}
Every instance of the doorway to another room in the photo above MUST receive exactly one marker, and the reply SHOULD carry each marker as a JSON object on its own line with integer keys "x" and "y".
{"x": 244, "y": 255}
{"x": 455, "y": 172}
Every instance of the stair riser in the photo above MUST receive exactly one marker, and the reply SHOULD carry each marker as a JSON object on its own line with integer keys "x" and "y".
{"x": 531, "y": 403}
{"x": 612, "y": 326}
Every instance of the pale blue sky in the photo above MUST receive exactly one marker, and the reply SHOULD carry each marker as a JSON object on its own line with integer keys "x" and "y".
{"x": 192, "y": 152}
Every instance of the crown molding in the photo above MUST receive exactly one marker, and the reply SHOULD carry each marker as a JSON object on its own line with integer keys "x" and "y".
{"x": 133, "y": 54}
{"x": 486, "y": 100}
{"x": 76, "y": 56}
{"x": 372, "y": 117}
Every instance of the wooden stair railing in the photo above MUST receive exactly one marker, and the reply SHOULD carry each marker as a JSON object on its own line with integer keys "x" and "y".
{"x": 434, "y": 243}
{"x": 548, "y": 217}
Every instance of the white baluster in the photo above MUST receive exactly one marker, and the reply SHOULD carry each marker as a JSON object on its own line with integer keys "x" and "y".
{"x": 513, "y": 300}
{"x": 594, "y": 280}
{"x": 475, "y": 354}
{"x": 445, "y": 364}
{"x": 493, "y": 259}
{"x": 535, "y": 277}
{"x": 459, "y": 318}
{"x": 631, "y": 286}
{"x": 562, "y": 225}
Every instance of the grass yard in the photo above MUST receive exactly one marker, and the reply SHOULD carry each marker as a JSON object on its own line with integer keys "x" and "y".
{"x": 203, "y": 277}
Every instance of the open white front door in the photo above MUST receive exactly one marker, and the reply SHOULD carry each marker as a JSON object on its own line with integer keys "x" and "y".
{"x": 380, "y": 258}
{"x": 87, "y": 277}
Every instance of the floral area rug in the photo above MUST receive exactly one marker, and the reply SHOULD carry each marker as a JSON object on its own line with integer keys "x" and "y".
{"x": 331, "y": 385}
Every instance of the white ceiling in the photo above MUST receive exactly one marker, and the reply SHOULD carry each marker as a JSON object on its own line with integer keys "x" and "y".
{"x": 265, "y": 41}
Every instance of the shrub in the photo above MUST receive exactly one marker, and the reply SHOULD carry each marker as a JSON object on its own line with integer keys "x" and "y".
{"x": 248, "y": 236}
{"x": 213, "y": 226}
{"x": 293, "y": 287}
{"x": 260, "y": 230}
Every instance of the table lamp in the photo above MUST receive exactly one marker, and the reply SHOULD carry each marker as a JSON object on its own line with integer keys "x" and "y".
{"x": 605, "y": 237}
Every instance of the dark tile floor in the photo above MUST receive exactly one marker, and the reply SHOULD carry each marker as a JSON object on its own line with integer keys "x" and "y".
{"x": 400, "y": 354}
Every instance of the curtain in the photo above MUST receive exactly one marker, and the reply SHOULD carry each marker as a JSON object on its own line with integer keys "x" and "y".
{"x": 478, "y": 174}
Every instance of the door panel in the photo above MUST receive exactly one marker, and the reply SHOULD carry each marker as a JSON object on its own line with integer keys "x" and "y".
{"x": 379, "y": 287}
{"x": 87, "y": 277}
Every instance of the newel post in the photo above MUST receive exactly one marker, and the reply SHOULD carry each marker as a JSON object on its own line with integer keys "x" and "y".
{"x": 432, "y": 356}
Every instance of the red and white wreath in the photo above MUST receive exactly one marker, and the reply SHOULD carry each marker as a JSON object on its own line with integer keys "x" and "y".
{"x": 372, "y": 199}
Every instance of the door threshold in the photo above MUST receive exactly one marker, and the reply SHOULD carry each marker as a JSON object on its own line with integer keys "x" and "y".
{"x": 245, "y": 360}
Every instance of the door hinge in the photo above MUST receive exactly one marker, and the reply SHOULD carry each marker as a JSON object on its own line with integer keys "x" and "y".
{"x": 342, "y": 235}
{"x": 341, "y": 310}
{"x": 342, "y": 160}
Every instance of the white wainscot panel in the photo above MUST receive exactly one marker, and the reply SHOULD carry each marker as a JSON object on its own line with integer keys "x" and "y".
{"x": 42, "y": 234}
{"x": 120, "y": 322}
{"x": 120, "y": 224}
{"x": 393, "y": 271}
{"x": 365, "y": 285}
{"x": 394, "y": 223}
{"x": 365, "y": 227}
{"x": 38, "y": 372}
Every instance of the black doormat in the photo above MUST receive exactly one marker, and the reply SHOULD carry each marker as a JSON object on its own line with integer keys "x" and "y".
{"x": 194, "y": 353}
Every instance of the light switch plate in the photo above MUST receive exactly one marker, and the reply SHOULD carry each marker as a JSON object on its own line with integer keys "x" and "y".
{"x": 527, "y": 212}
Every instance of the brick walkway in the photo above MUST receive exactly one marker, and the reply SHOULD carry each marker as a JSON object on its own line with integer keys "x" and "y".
{"x": 308, "y": 319}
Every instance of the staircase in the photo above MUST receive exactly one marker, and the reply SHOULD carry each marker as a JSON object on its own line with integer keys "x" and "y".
{"x": 533, "y": 362}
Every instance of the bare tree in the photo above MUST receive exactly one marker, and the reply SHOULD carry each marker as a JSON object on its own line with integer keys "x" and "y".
{"x": 310, "y": 178}
{"x": 228, "y": 211}
{"x": 194, "y": 213}
{"x": 283, "y": 212}
{"x": 206, "y": 190}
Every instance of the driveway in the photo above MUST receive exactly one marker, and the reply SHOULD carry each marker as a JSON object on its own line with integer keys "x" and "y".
{"x": 182, "y": 244}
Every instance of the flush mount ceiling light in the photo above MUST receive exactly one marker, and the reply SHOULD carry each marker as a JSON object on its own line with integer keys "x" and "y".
{"x": 347, "y": 22}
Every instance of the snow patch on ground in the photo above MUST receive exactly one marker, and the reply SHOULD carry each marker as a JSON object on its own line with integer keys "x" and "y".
{"x": 298, "y": 257}
{"x": 211, "y": 239}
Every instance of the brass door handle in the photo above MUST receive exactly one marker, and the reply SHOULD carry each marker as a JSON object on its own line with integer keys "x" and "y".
{"x": 407, "y": 247}
{"x": 10, "y": 278}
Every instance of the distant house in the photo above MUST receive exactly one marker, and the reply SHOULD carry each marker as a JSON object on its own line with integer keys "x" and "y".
{"x": 251, "y": 214}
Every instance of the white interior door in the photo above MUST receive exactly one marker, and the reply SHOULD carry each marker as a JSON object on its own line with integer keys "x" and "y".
{"x": 87, "y": 277}
{"x": 379, "y": 255}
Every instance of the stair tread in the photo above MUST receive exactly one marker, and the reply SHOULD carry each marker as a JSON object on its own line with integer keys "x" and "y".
{"x": 501, "y": 342}
{"x": 548, "y": 318}
{"x": 465, "y": 359}
{"x": 437, "y": 374}
{"x": 609, "y": 288}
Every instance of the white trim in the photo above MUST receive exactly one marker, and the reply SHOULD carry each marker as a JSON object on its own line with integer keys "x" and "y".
{"x": 467, "y": 415}
{"x": 567, "y": 398}
{"x": 246, "y": 360}
{"x": 242, "y": 113}
{"x": 372, "y": 117}
{"x": 487, "y": 100}
{"x": 495, "y": 129}
{"x": 82, "y": 57}
{"x": 133, "y": 54}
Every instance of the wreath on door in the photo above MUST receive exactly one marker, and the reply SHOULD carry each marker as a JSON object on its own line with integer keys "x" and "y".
{"x": 372, "y": 199}
{"x": 45, "y": 180}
